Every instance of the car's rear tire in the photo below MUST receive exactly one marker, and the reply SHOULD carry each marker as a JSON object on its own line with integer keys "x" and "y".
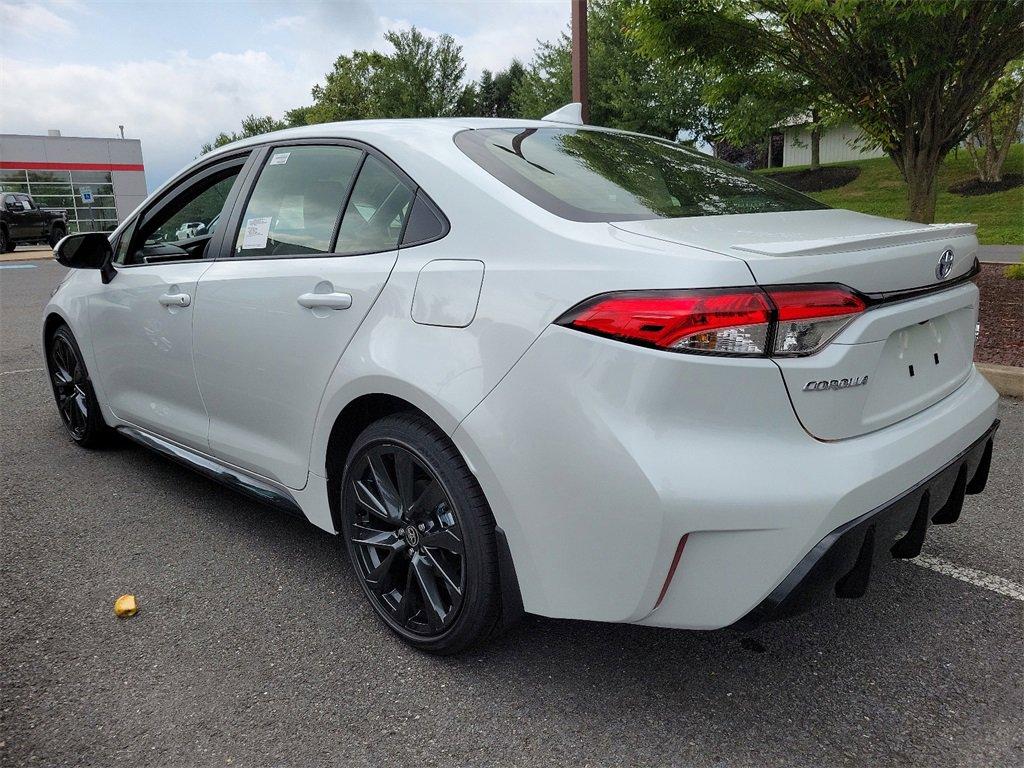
{"x": 56, "y": 234}
{"x": 72, "y": 390}
{"x": 6, "y": 244}
{"x": 420, "y": 535}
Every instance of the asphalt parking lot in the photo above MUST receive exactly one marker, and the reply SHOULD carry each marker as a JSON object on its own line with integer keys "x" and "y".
{"x": 254, "y": 646}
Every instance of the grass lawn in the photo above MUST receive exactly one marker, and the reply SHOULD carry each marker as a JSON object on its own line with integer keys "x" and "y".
{"x": 879, "y": 190}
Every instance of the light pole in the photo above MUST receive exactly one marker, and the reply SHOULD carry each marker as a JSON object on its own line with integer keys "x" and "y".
{"x": 580, "y": 91}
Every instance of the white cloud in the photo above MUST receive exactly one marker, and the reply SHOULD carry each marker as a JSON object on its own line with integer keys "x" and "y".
{"x": 173, "y": 104}
{"x": 511, "y": 31}
{"x": 36, "y": 20}
{"x": 176, "y": 100}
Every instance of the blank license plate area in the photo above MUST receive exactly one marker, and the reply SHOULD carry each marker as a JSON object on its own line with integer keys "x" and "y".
{"x": 922, "y": 363}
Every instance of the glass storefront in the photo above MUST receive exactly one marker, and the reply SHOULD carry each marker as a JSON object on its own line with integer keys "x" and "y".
{"x": 63, "y": 189}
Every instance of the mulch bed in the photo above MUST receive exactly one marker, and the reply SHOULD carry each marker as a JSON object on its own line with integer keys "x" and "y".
{"x": 1002, "y": 318}
{"x": 828, "y": 177}
{"x": 976, "y": 187}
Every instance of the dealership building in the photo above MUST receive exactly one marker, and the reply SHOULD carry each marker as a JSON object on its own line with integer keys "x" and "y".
{"x": 67, "y": 172}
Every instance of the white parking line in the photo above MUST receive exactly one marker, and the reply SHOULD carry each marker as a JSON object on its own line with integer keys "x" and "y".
{"x": 992, "y": 583}
{"x": 21, "y": 370}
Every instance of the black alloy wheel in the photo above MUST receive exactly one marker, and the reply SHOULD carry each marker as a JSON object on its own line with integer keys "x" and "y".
{"x": 420, "y": 535}
{"x": 76, "y": 401}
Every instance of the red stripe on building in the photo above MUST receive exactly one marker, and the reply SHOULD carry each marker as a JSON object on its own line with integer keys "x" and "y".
{"x": 9, "y": 165}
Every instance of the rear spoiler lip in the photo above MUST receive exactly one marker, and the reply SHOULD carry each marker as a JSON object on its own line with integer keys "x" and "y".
{"x": 858, "y": 242}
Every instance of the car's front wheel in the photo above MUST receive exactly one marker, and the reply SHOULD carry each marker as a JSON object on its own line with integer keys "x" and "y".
{"x": 420, "y": 535}
{"x": 6, "y": 244}
{"x": 72, "y": 389}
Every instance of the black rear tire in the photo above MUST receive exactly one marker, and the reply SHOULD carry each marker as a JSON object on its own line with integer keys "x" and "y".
{"x": 6, "y": 244}
{"x": 56, "y": 234}
{"x": 420, "y": 535}
{"x": 73, "y": 391}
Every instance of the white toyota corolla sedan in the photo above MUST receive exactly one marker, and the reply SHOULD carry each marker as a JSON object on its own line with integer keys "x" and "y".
{"x": 531, "y": 365}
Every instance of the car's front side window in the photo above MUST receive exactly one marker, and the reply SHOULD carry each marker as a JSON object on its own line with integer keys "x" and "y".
{"x": 191, "y": 217}
{"x": 295, "y": 205}
{"x": 176, "y": 228}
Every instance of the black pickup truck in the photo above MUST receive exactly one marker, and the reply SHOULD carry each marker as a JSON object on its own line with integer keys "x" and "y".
{"x": 22, "y": 221}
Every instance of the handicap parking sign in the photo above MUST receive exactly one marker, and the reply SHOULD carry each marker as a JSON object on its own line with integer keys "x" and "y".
{"x": 86, "y": 195}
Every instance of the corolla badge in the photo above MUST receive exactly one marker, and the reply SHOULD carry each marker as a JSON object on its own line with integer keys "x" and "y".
{"x": 823, "y": 385}
{"x": 945, "y": 265}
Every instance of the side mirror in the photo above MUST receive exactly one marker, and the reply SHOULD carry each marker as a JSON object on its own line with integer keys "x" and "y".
{"x": 88, "y": 250}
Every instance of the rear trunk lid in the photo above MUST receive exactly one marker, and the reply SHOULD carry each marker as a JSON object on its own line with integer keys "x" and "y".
{"x": 869, "y": 253}
{"x": 902, "y": 355}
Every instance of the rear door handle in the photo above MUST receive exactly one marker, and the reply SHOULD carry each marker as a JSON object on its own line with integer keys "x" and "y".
{"x": 325, "y": 300}
{"x": 175, "y": 299}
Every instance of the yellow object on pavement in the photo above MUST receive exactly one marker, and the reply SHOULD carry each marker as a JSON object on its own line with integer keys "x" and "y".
{"x": 126, "y": 606}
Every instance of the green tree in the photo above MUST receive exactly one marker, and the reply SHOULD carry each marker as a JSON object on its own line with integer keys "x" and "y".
{"x": 752, "y": 100}
{"x": 910, "y": 74}
{"x": 299, "y": 116}
{"x": 252, "y": 125}
{"x": 998, "y": 124}
{"x": 422, "y": 77}
{"x": 346, "y": 93}
{"x": 494, "y": 91}
{"x": 627, "y": 89}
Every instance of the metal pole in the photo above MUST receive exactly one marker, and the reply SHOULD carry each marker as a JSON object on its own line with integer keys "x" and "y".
{"x": 580, "y": 91}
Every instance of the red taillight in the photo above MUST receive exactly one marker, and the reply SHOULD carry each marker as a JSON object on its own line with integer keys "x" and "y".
{"x": 805, "y": 303}
{"x": 679, "y": 320}
{"x": 780, "y": 320}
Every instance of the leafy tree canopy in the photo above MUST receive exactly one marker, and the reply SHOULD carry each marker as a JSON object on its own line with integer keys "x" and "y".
{"x": 910, "y": 74}
{"x": 422, "y": 77}
{"x": 251, "y": 126}
{"x": 627, "y": 89}
{"x": 494, "y": 91}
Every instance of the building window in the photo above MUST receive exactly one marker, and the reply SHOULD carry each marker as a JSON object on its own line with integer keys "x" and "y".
{"x": 63, "y": 190}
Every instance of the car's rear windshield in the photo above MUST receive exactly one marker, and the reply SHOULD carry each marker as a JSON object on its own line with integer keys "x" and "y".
{"x": 588, "y": 175}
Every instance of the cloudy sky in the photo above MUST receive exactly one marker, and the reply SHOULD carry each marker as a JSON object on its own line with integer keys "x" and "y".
{"x": 177, "y": 73}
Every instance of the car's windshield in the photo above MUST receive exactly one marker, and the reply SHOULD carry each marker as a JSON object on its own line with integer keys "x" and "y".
{"x": 588, "y": 175}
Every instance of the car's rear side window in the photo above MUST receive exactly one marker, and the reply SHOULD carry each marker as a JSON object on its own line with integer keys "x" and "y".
{"x": 376, "y": 211}
{"x": 591, "y": 175}
{"x": 294, "y": 207}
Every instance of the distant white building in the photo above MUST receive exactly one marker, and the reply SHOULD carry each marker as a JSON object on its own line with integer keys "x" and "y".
{"x": 56, "y": 169}
{"x": 840, "y": 143}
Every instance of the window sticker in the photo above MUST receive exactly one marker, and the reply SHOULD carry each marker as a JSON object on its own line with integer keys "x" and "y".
{"x": 280, "y": 158}
{"x": 256, "y": 233}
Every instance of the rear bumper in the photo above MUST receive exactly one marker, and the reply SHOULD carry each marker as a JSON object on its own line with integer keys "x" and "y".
{"x": 598, "y": 458}
{"x": 841, "y": 564}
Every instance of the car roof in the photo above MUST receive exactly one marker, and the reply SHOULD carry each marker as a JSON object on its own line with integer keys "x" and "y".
{"x": 411, "y": 129}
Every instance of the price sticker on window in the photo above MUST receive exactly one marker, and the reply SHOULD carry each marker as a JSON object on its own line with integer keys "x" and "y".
{"x": 256, "y": 233}
{"x": 280, "y": 158}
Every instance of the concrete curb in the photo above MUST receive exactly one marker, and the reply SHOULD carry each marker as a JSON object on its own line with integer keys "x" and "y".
{"x": 33, "y": 255}
{"x": 1007, "y": 379}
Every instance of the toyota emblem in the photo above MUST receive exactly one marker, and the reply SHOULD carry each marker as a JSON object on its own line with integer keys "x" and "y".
{"x": 945, "y": 265}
